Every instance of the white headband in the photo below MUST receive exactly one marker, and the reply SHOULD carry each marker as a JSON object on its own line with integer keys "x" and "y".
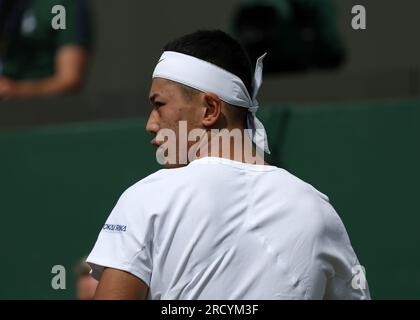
{"x": 206, "y": 77}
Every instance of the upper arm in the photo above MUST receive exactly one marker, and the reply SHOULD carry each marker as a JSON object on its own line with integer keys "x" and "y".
{"x": 74, "y": 42}
{"x": 337, "y": 259}
{"x": 329, "y": 256}
{"x": 70, "y": 64}
{"x": 123, "y": 249}
{"x": 115, "y": 284}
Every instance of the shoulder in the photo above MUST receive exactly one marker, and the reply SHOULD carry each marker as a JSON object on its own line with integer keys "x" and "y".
{"x": 161, "y": 179}
{"x": 310, "y": 206}
{"x": 156, "y": 185}
{"x": 298, "y": 187}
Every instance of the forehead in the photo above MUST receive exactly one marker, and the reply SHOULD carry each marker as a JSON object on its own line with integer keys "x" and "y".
{"x": 163, "y": 87}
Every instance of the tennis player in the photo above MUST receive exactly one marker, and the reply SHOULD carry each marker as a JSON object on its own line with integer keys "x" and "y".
{"x": 219, "y": 225}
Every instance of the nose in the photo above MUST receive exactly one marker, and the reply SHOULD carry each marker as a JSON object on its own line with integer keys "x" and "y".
{"x": 152, "y": 125}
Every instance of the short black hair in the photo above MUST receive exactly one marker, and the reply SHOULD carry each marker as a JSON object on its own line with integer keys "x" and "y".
{"x": 218, "y": 48}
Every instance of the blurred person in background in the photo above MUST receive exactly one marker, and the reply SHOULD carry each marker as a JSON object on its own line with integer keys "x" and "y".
{"x": 36, "y": 59}
{"x": 300, "y": 35}
{"x": 85, "y": 283}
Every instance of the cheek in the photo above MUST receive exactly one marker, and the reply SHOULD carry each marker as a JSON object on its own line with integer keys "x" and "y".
{"x": 197, "y": 113}
{"x": 170, "y": 116}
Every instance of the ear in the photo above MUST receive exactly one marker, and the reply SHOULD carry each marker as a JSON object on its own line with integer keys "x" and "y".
{"x": 213, "y": 109}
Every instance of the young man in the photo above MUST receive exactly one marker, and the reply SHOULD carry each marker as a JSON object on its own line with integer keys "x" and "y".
{"x": 219, "y": 225}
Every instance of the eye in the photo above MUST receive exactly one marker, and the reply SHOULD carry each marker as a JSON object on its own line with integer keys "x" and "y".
{"x": 158, "y": 104}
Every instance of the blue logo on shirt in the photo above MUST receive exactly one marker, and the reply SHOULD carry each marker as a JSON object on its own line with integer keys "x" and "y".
{"x": 114, "y": 227}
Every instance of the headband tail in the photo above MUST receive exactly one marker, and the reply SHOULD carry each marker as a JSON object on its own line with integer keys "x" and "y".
{"x": 258, "y": 135}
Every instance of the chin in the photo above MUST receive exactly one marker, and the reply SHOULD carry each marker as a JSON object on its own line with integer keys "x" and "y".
{"x": 174, "y": 166}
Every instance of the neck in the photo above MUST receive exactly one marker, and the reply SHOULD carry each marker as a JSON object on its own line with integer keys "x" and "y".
{"x": 233, "y": 144}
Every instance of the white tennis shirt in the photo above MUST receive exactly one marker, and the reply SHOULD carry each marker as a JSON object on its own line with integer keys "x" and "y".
{"x": 221, "y": 229}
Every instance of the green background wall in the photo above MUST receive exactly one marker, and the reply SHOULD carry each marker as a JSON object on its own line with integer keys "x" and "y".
{"x": 59, "y": 183}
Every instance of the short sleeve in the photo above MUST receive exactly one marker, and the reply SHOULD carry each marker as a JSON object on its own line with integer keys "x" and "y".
{"x": 78, "y": 25}
{"x": 124, "y": 241}
{"x": 337, "y": 273}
